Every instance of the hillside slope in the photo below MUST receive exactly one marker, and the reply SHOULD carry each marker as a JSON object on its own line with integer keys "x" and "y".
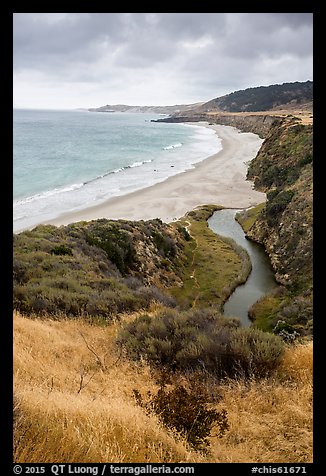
{"x": 105, "y": 267}
{"x": 98, "y": 268}
{"x": 263, "y": 98}
{"x": 283, "y": 169}
{"x": 74, "y": 403}
{"x": 254, "y": 109}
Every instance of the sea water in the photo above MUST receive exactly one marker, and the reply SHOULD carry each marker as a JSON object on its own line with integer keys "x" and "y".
{"x": 69, "y": 160}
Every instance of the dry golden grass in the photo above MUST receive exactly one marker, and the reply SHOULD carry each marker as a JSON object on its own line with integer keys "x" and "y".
{"x": 74, "y": 403}
{"x": 56, "y": 421}
{"x": 305, "y": 115}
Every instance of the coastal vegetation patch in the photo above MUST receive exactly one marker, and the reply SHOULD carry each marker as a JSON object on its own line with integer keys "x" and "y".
{"x": 200, "y": 339}
{"x": 100, "y": 268}
{"x": 212, "y": 266}
{"x": 246, "y": 218}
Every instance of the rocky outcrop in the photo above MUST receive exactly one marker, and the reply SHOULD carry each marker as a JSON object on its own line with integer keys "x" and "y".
{"x": 256, "y": 123}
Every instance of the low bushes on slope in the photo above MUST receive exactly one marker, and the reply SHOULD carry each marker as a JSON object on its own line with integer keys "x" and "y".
{"x": 100, "y": 268}
{"x": 201, "y": 339}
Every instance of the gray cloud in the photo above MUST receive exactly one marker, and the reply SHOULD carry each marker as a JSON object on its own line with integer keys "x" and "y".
{"x": 122, "y": 57}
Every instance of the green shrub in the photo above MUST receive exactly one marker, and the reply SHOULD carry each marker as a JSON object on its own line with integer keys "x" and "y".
{"x": 165, "y": 245}
{"x": 200, "y": 339}
{"x": 277, "y": 203}
{"x": 182, "y": 230}
{"x": 286, "y": 331}
{"x": 273, "y": 175}
{"x": 20, "y": 272}
{"x": 61, "y": 250}
{"x": 116, "y": 243}
{"x": 102, "y": 297}
{"x": 187, "y": 413}
{"x": 255, "y": 352}
{"x": 308, "y": 159}
{"x": 272, "y": 194}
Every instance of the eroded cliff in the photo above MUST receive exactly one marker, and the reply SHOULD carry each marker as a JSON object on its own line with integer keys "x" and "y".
{"x": 257, "y": 123}
{"x": 283, "y": 169}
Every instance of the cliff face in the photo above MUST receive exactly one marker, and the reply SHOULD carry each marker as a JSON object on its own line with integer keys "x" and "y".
{"x": 283, "y": 169}
{"x": 256, "y": 123}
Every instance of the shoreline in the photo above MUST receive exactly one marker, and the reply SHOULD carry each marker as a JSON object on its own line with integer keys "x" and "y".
{"x": 219, "y": 179}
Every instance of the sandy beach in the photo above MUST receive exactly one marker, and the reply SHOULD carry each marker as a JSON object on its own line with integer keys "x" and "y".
{"x": 219, "y": 179}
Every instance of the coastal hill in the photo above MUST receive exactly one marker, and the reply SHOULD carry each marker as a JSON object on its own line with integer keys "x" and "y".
{"x": 263, "y": 98}
{"x": 254, "y": 109}
{"x": 278, "y": 97}
{"x": 250, "y": 110}
{"x": 146, "y": 109}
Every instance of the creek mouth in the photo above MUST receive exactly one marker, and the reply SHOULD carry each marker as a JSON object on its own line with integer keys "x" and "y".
{"x": 260, "y": 281}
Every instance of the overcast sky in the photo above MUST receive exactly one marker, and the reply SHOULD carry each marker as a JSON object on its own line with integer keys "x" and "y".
{"x": 72, "y": 60}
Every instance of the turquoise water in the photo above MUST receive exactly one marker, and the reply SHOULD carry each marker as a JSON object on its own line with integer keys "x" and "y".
{"x": 69, "y": 160}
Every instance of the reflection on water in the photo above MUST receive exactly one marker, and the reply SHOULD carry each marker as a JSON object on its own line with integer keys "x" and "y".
{"x": 261, "y": 279}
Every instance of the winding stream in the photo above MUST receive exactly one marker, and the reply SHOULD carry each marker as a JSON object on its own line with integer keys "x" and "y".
{"x": 261, "y": 279}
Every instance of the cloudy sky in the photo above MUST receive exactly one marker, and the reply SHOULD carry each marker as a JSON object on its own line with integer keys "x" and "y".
{"x": 71, "y": 60}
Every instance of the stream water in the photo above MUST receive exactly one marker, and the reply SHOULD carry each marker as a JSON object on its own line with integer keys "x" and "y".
{"x": 261, "y": 279}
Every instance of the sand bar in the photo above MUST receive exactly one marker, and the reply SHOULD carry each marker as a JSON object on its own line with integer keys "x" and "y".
{"x": 219, "y": 179}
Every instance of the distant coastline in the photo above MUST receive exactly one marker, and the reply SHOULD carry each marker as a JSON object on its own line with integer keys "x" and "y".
{"x": 166, "y": 110}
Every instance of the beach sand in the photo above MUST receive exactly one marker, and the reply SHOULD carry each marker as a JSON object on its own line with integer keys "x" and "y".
{"x": 219, "y": 179}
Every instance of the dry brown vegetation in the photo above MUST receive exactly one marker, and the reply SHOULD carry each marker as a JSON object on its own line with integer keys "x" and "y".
{"x": 304, "y": 115}
{"x": 74, "y": 403}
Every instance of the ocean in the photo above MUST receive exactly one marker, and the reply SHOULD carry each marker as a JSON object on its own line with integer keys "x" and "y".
{"x": 69, "y": 160}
